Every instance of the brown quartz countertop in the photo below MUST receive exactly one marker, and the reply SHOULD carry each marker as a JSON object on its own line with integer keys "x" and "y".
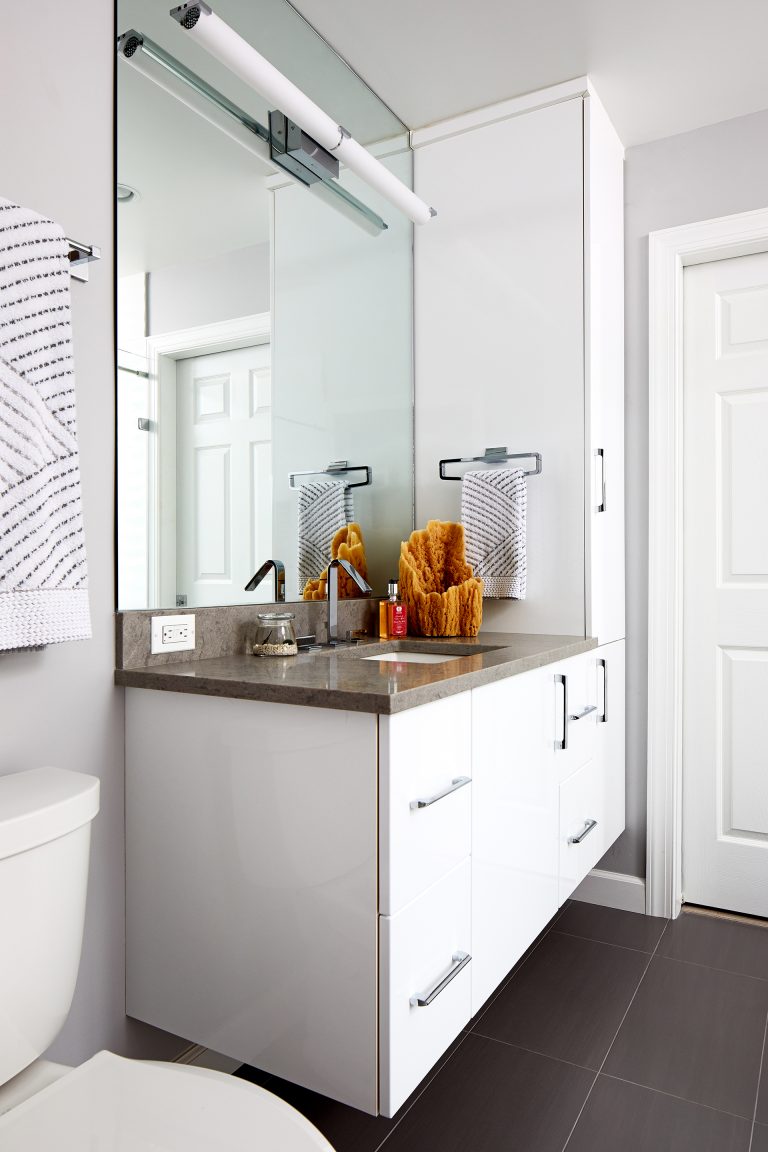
{"x": 340, "y": 678}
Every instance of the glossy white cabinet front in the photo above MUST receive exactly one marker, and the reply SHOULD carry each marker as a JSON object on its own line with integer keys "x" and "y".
{"x": 425, "y": 797}
{"x": 425, "y": 973}
{"x": 514, "y": 839}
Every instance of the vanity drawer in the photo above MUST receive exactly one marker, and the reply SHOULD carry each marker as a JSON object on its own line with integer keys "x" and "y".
{"x": 574, "y": 703}
{"x": 582, "y": 825}
{"x": 424, "y": 955}
{"x": 425, "y": 797}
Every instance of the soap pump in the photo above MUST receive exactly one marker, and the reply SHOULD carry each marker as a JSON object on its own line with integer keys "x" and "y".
{"x": 393, "y": 615}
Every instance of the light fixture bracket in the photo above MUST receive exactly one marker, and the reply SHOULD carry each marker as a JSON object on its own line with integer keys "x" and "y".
{"x": 295, "y": 151}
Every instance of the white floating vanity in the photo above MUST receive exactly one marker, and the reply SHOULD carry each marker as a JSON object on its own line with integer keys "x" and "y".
{"x": 330, "y": 893}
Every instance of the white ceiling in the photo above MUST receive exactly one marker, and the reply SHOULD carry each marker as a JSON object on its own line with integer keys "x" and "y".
{"x": 660, "y": 66}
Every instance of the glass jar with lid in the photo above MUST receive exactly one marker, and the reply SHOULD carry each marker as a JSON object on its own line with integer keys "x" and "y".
{"x": 275, "y": 635}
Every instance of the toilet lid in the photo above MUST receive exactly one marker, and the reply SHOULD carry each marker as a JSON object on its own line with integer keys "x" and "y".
{"x": 110, "y": 1104}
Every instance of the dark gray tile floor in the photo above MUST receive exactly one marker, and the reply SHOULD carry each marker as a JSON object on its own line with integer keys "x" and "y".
{"x": 616, "y": 1031}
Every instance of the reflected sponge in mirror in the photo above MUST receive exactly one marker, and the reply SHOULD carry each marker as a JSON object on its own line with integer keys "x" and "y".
{"x": 347, "y": 544}
{"x": 443, "y": 597}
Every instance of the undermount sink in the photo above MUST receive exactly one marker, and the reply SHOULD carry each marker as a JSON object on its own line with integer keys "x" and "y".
{"x": 413, "y": 657}
{"x": 427, "y": 651}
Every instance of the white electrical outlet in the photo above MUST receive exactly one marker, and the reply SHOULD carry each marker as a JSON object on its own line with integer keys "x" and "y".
{"x": 173, "y": 633}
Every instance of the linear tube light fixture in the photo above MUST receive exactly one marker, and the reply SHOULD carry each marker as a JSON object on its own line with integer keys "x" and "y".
{"x": 253, "y": 68}
{"x": 170, "y": 74}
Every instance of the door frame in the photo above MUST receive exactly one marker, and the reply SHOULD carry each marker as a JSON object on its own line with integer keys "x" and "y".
{"x": 163, "y": 351}
{"x": 670, "y": 251}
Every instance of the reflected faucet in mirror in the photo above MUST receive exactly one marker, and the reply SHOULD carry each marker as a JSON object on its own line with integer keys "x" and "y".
{"x": 257, "y": 578}
{"x": 333, "y": 594}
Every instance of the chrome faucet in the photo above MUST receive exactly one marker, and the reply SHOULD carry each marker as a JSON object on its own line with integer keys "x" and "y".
{"x": 257, "y": 578}
{"x": 333, "y": 593}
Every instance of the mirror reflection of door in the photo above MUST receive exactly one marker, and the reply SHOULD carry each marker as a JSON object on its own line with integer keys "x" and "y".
{"x": 223, "y": 474}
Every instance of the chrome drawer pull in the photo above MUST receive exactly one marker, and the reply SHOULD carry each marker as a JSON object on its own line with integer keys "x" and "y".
{"x": 456, "y": 783}
{"x": 600, "y": 455}
{"x": 588, "y": 826}
{"x": 604, "y": 718}
{"x": 560, "y": 745}
{"x": 584, "y": 712}
{"x": 459, "y": 960}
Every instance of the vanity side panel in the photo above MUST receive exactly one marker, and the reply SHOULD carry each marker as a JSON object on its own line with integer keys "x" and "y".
{"x": 252, "y": 884}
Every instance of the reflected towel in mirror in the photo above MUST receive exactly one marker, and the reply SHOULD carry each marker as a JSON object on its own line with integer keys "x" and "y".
{"x": 325, "y": 506}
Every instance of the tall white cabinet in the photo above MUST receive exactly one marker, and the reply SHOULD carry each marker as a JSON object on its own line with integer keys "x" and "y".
{"x": 519, "y": 339}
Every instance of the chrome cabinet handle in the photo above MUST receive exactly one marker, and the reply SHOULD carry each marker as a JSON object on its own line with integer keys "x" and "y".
{"x": 588, "y": 826}
{"x": 584, "y": 712}
{"x": 601, "y": 454}
{"x": 604, "y": 718}
{"x": 561, "y": 679}
{"x": 459, "y": 960}
{"x": 456, "y": 783}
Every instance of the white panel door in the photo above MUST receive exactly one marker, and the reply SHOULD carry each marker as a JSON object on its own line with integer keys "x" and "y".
{"x": 224, "y": 475}
{"x": 499, "y": 355}
{"x": 725, "y": 680}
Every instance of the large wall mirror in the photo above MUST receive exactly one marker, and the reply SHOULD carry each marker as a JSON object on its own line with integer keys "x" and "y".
{"x": 264, "y": 330}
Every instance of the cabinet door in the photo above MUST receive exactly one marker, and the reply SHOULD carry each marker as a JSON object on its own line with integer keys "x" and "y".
{"x": 425, "y": 797}
{"x": 582, "y": 826}
{"x": 611, "y": 754}
{"x": 499, "y": 353}
{"x": 572, "y": 712}
{"x": 514, "y": 824}
{"x": 604, "y": 320}
{"x": 424, "y": 989}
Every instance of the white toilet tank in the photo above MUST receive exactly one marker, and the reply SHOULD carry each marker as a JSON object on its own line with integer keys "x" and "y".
{"x": 45, "y": 832}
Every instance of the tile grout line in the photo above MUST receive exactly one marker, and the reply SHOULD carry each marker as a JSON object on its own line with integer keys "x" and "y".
{"x": 613, "y": 1041}
{"x": 759, "y": 1078}
{"x": 531, "y": 1051}
{"x": 713, "y": 968}
{"x": 609, "y": 943}
{"x": 674, "y": 1096}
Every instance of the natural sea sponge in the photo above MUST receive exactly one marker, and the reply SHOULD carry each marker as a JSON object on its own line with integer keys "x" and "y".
{"x": 347, "y": 544}
{"x": 436, "y": 583}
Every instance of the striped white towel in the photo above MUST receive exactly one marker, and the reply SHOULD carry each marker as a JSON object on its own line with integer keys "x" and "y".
{"x": 325, "y": 506}
{"x": 493, "y": 506}
{"x": 43, "y": 574}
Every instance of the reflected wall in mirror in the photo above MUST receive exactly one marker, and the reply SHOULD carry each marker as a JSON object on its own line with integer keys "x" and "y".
{"x": 263, "y": 334}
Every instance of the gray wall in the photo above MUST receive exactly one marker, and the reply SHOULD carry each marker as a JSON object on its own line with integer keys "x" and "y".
{"x": 59, "y": 706}
{"x": 715, "y": 171}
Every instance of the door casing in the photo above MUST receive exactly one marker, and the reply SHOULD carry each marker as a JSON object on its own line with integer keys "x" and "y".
{"x": 670, "y": 251}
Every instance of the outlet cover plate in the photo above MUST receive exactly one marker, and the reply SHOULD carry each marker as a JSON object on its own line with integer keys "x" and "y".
{"x": 173, "y": 633}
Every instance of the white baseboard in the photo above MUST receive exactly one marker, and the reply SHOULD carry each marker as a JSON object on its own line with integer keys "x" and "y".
{"x": 613, "y": 889}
